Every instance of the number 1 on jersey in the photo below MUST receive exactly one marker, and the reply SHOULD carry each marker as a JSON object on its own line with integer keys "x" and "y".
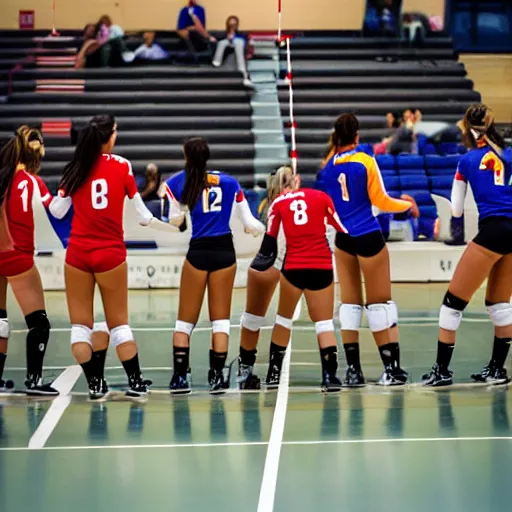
{"x": 344, "y": 190}
{"x": 99, "y": 189}
{"x": 23, "y": 186}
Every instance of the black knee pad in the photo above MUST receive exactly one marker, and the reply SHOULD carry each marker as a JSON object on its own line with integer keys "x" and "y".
{"x": 453, "y": 302}
{"x": 487, "y": 304}
{"x": 38, "y": 320}
{"x": 3, "y": 313}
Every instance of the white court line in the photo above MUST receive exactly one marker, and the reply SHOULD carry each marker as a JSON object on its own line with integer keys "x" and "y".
{"x": 270, "y": 472}
{"x": 262, "y": 443}
{"x": 63, "y": 384}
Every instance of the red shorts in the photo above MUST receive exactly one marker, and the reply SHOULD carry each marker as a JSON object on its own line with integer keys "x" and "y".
{"x": 13, "y": 263}
{"x": 97, "y": 260}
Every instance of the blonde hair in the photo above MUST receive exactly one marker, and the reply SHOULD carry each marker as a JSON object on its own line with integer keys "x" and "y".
{"x": 280, "y": 180}
{"x": 478, "y": 124}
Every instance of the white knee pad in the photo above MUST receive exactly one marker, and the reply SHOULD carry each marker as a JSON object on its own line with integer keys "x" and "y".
{"x": 5, "y": 330}
{"x": 287, "y": 323}
{"x": 351, "y": 316}
{"x": 184, "y": 327}
{"x": 81, "y": 334}
{"x": 324, "y": 326}
{"x": 100, "y": 327}
{"x": 378, "y": 317}
{"x": 252, "y": 322}
{"x": 500, "y": 313}
{"x": 221, "y": 326}
{"x": 449, "y": 318}
{"x": 121, "y": 334}
{"x": 392, "y": 313}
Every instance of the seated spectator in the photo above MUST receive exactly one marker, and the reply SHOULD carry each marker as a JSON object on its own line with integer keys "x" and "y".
{"x": 150, "y": 50}
{"x": 88, "y": 56}
{"x": 233, "y": 40}
{"x": 153, "y": 180}
{"x": 191, "y": 28}
{"x": 113, "y": 51}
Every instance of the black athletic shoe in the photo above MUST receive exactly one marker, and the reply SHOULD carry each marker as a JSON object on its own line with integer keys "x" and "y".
{"x": 98, "y": 388}
{"x": 246, "y": 378}
{"x": 36, "y": 387}
{"x": 274, "y": 369}
{"x": 393, "y": 377}
{"x": 438, "y": 377}
{"x": 492, "y": 375}
{"x": 219, "y": 380}
{"x": 180, "y": 385}
{"x": 331, "y": 383}
{"x": 6, "y": 386}
{"x": 354, "y": 378}
{"x": 137, "y": 387}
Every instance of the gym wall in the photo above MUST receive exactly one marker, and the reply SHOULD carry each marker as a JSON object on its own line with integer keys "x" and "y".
{"x": 162, "y": 14}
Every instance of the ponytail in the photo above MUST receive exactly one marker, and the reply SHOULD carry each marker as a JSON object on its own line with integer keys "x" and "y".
{"x": 197, "y": 154}
{"x": 10, "y": 156}
{"x": 346, "y": 128}
{"x": 87, "y": 152}
{"x": 478, "y": 124}
{"x": 280, "y": 180}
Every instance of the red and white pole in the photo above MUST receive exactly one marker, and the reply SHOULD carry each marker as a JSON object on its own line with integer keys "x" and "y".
{"x": 293, "y": 125}
{"x": 54, "y": 30}
{"x": 279, "y": 19}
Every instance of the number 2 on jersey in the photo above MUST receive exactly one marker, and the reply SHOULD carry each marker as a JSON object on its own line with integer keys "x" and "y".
{"x": 344, "y": 190}
{"x": 299, "y": 207}
{"x": 99, "y": 189}
{"x": 23, "y": 186}
{"x": 212, "y": 199}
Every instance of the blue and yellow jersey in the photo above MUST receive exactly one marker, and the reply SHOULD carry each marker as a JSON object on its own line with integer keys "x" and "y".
{"x": 490, "y": 177}
{"x": 212, "y": 213}
{"x": 354, "y": 182}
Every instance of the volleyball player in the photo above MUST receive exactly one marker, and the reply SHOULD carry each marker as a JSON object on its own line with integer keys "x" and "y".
{"x": 96, "y": 183}
{"x": 488, "y": 170}
{"x": 18, "y": 158}
{"x": 307, "y": 270}
{"x": 353, "y": 180}
{"x": 261, "y": 286}
{"x": 210, "y": 261}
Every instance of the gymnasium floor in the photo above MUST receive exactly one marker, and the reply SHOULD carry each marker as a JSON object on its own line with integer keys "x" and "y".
{"x": 296, "y": 449}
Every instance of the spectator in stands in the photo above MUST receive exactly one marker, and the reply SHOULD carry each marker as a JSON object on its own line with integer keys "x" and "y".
{"x": 89, "y": 56}
{"x": 113, "y": 50}
{"x": 236, "y": 41}
{"x": 150, "y": 50}
{"x": 153, "y": 180}
{"x": 191, "y": 28}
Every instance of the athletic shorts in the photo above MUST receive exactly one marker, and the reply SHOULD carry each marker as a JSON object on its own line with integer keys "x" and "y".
{"x": 312, "y": 279}
{"x": 14, "y": 263}
{"x": 365, "y": 246}
{"x": 212, "y": 253}
{"x": 495, "y": 234}
{"x": 96, "y": 261}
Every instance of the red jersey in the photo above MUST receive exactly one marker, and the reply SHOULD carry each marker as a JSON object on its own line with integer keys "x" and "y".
{"x": 99, "y": 205}
{"x": 304, "y": 215}
{"x": 19, "y": 212}
{"x": 46, "y": 197}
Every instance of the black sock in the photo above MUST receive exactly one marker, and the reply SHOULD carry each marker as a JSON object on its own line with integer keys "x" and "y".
{"x": 132, "y": 366}
{"x": 37, "y": 341}
{"x": 388, "y": 354}
{"x": 89, "y": 369}
{"x": 99, "y": 358}
{"x": 181, "y": 360}
{"x": 276, "y": 348}
{"x": 352, "y": 354}
{"x": 217, "y": 360}
{"x": 395, "y": 351}
{"x": 329, "y": 359}
{"x": 247, "y": 357}
{"x": 2, "y": 364}
{"x": 499, "y": 351}
{"x": 444, "y": 354}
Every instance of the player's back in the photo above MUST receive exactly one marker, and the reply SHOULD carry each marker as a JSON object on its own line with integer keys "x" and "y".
{"x": 99, "y": 204}
{"x": 346, "y": 181}
{"x": 19, "y": 211}
{"x": 303, "y": 217}
{"x": 212, "y": 213}
{"x": 490, "y": 177}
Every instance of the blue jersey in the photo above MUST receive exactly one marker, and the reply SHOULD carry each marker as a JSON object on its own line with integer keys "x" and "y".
{"x": 353, "y": 181}
{"x": 212, "y": 213}
{"x": 490, "y": 177}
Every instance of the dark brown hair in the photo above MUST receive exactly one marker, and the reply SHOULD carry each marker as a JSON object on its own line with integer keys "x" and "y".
{"x": 197, "y": 154}
{"x": 478, "y": 123}
{"x": 346, "y": 128}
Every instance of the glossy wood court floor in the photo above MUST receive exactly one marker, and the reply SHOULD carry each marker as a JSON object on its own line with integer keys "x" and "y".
{"x": 412, "y": 449}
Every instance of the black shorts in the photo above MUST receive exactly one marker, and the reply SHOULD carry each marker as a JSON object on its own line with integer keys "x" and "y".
{"x": 364, "y": 245}
{"x": 212, "y": 253}
{"x": 309, "y": 278}
{"x": 495, "y": 234}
